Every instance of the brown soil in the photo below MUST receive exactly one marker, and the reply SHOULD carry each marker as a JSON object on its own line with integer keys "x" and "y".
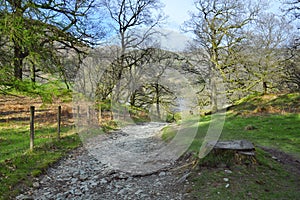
{"x": 291, "y": 162}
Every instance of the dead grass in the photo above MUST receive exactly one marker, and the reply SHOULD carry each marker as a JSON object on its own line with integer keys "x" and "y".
{"x": 17, "y": 109}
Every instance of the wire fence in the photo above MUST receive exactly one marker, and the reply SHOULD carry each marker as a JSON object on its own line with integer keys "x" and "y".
{"x": 22, "y": 124}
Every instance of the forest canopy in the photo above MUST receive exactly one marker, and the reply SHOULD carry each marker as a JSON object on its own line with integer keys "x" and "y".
{"x": 242, "y": 44}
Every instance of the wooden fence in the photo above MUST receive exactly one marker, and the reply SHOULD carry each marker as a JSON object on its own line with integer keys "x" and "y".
{"x": 84, "y": 116}
{"x": 32, "y": 131}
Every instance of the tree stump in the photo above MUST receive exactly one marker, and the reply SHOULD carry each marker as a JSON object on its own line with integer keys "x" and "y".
{"x": 243, "y": 151}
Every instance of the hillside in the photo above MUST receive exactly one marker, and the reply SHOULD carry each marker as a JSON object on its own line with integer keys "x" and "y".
{"x": 15, "y": 109}
{"x": 268, "y": 104}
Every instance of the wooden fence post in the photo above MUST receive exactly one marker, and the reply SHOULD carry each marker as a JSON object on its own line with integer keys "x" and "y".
{"x": 77, "y": 115}
{"x": 88, "y": 115}
{"x": 31, "y": 128}
{"x": 99, "y": 114}
{"x": 58, "y": 122}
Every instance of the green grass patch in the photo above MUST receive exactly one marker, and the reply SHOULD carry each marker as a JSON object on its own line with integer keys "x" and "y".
{"x": 277, "y": 131}
{"x": 18, "y": 165}
{"x": 15, "y": 141}
{"x": 265, "y": 180}
{"x": 168, "y": 133}
{"x": 261, "y": 178}
{"x": 47, "y": 91}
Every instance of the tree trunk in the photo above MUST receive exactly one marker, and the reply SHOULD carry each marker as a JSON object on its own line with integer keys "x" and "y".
{"x": 157, "y": 100}
{"x": 265, "y": 87}
{"x": 19, "y": 55}
{"x": 132, "y": 98}
{"x": 214, "y": 101}
{"x": 18, "y": 62}
{"x": 214, "y": 91}
{"x": 119, "y": 68}
{"x": 33, "y": 70}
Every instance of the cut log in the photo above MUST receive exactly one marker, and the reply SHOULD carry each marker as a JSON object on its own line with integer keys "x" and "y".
{"x": 239, "y": 145}
{"x": 242, "y": 151}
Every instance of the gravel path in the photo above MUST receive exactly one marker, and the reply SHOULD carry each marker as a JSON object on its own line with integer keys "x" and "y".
{"x": 121, "y": 165}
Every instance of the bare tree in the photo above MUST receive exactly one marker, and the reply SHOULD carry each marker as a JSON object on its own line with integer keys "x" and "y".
{"x": 154, "y": 90}
{"x": 266, "y": 47}
{"x": 292, "y": 70}
{"x": 218, "y": 28}
{"x": 291, "y": 79}
{"x": 292, "y": 7}
{"x": 135, "y": 22}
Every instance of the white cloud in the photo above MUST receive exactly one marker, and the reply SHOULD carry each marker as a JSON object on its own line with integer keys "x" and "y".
{"x": 174, "y": 40}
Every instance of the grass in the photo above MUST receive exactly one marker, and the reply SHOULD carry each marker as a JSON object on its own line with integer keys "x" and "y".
{"x": 47, "y": 91}
{"x": 272, "y": 127}
{"x": 272, "y": 103}
{"x": 15, "y": 140}
{"x": 18, "y": 165}
{"x": 278, "y": 131}
{"x": 266, "y": 180}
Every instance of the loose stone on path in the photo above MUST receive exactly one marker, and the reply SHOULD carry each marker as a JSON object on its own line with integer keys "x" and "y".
{"x": 82, "y": 176}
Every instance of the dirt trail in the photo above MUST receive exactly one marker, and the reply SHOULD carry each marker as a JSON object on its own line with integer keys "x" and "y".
{"x": 290, "y": 162}
{"x": 115, "y": 166}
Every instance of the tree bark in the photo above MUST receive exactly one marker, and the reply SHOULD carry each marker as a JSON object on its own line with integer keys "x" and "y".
{"x": 214, "y": 100}
{"x": 265, "y": 87}
{"x": 157, "y": 100}
{"x": 18, "y": 62}
{"x": 33, "y": 73}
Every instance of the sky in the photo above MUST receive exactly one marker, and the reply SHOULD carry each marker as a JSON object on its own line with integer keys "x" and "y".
{"x": 177, "y": 11}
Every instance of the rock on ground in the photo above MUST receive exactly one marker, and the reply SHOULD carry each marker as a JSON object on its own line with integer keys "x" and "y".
{"x": 82, "y": 175}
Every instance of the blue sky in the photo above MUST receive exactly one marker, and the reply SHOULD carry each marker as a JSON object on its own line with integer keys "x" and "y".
{"x": 178, "y": 10}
